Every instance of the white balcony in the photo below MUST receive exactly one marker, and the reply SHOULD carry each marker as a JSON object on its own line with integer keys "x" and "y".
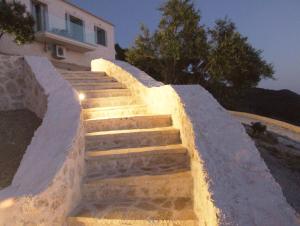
{"x": 72, "y": 44}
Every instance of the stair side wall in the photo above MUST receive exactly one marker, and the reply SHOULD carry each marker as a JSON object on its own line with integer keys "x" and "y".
{"x": 47, "y": 185}
{"x": 232, "y": 184}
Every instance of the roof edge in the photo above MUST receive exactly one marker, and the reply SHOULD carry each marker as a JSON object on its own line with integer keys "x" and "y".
{"x": 86, "y": 11}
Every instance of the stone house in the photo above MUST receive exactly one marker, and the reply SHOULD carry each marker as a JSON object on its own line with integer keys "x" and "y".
{"x": 64, "y": 33}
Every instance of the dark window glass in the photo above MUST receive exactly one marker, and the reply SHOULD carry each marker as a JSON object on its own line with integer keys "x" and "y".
{"x": 76, "y": 28}
{"x": 100, "y": 36}
{"x": 39, "y": 12}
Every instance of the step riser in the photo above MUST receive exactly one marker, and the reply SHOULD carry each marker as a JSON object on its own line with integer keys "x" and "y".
{"x": 98, "y": 80}
{"x": 136, "y": 164}
{"x": 128, "y": 123}
{"x": 106, "y": 85}
{"x": 108, "y": 93}
{"x": 84, "y": 78}
{"x": 140, "y": 187}
{"x": 113, "y": 113}
{"x": 73, "y": 221}
{"x": 107, "y": 102}
{"x": 129, "y": 140}
{"x": 83, "y": 74}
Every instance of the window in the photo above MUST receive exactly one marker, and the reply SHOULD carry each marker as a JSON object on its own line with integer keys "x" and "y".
{"x": 100, "y": 36}
{"x": 39, "y": 12}
{"x": 75, "y": 27}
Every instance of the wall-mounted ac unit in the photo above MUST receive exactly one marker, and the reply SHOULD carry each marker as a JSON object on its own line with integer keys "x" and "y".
{"x": 59, "y": 52}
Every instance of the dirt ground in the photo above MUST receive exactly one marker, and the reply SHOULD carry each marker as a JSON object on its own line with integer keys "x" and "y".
{"x": 282, "y": 156}
{"x": 16, "y": 131}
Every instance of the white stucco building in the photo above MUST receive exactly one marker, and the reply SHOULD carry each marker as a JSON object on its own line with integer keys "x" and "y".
{"x": 64, "y": 33}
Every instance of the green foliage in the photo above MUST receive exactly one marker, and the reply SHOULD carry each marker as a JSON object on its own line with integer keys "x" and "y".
{"x": 177, "y": 48}
{"x": 182, "y": 51}
{"x": 232, "y": 60}
{"x": 16, "y": 21}
{"x": 258, "y": 129}
{"x": 143, "y": 54}
{"x": 120, "y": 52}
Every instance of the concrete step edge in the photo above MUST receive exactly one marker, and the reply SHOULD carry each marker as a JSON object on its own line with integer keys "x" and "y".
{"x": 167, "y": 175}
{"x": 132, "y": 131}
{"x": 129, "y": 152}
{"x": 130, "y": 117}
{"x": 132, "y": 106}
{"x": 122, "y": 222}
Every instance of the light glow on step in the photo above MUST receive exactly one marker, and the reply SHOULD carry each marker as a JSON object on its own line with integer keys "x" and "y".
{"x": 81, "y": 96}
{"x": 6, "y": 203}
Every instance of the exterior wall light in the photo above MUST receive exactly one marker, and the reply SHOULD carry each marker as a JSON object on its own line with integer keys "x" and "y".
{"x": 81, "y": 96}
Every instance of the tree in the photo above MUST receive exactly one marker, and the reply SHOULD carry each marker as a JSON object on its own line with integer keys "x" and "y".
{"x": 120, "y": 52}
{"x": 182, "y": 51}
{"x": 232, "y": 60}
{"x": 14, "y": 20}
{"x": 176, "y": 51}
{"x": 143, "y": 54}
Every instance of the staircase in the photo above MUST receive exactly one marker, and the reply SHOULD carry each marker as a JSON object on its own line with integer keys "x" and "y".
{"x": 138, "y": 173}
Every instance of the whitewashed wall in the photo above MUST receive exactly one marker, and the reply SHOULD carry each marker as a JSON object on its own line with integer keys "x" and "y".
{"x": 232, "y": 184}
{"x": 58, "y": 8}
{"x": 47, "y": 185}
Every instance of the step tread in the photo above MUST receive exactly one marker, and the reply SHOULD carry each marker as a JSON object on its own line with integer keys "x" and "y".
{"x": 128, "y": 122}
{"x": 95, "y": 99}
{"x": 132, "y": 138}
{"x": 89, "y": 77}
{"x": 75, "y": 77}
{"x": 142, "y": 209}
{"x": 89, "y": 80}
{"x": 132, "y": 131}
{"x": 163, "y": 164}
{"x": 150, "y": 116}
{"x": 174, "y": 149}
{"x": 97, "y": 83}
{"x": 116, "y": 111}
{"x": 109, "y": 101}
{"x": 84, "y": 72}
{"x": 107, "y": 90}
{"x": 169, "y": 175}
{"x": 107, "y": 93}
{"x": 98, "y": 89}
{"x": 115, "y": 107}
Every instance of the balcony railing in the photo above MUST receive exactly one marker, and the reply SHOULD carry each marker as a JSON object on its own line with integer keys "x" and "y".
{"x": 69, "y": 27}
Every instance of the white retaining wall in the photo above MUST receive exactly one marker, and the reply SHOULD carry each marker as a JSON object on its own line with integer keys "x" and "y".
{"x": 232, "y": 184}
{"x": 47, "y": 184}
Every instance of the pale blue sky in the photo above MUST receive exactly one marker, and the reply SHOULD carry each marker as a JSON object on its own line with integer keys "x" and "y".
{"x": 271, "y": 25}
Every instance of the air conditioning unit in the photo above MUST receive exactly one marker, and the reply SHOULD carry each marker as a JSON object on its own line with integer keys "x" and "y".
{"x": 59, "y": 52}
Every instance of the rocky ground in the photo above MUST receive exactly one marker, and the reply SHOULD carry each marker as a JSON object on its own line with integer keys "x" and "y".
{"x": 16, "y": 131}
{"x": 282, "y": 156}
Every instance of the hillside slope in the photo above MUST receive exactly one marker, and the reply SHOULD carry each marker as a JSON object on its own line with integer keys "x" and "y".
{"x": 282, "y": 105}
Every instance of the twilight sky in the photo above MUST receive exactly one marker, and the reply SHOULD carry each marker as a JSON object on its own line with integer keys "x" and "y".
{"x": 270, "y": 25}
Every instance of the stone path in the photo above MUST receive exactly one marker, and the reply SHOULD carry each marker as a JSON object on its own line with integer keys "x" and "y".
{"x": 138, "y": 172}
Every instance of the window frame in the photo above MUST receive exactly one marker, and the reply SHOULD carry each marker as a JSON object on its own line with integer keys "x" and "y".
{"x": 96, "y": 29}
{"x": 45, "y": 22}
{"x": 68, "y": 25}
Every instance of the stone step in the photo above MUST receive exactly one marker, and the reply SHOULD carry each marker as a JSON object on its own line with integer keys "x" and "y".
{"x": 176, "y": 211}
{"x": 108, "y": 101}
{"x": 107, "y": 93}
{"x": 75, "y": 81}
{"x": 84, "y": 77}
{"x": 170, "y": 185}
{"x": 137, "y": 161}
{"x": 132, "y": 122}
{"x": 132, "y": 138}
{"x": 98, "y": 86}
{"x": 114, "y": 112}
{"x": 83, "y": 73}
